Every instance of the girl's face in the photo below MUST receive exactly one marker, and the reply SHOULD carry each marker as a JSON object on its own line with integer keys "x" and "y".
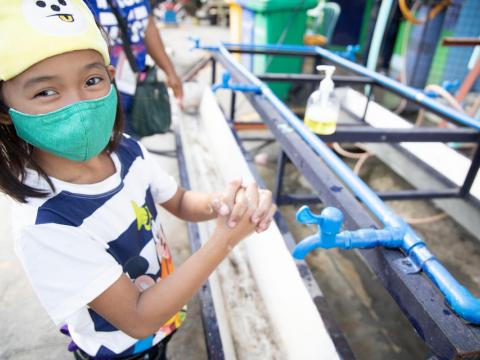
{"x": 59, "y": 81}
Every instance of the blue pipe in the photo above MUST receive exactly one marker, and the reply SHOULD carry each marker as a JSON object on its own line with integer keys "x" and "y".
{"x": 379, "y": 33}
{"x": 457, "y": 296}
{"x": 226, "y": 84}
{"x": 328, "y": 237}
{"x": 383, "y": 80}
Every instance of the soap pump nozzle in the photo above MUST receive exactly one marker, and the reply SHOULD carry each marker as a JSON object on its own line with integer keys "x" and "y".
{"x": 327, "y": 84}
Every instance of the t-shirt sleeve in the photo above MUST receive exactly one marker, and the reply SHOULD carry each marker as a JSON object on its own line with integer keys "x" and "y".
{"x": 163, "y": 185}
{"x": 66, "y": 267}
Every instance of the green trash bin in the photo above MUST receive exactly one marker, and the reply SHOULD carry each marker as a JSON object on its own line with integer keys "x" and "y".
{"x": 278, "y": 22}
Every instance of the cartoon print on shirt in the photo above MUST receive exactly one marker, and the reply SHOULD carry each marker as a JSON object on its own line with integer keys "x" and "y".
{"x": 137, "y": 266}
{"x": 143, "y": 215}
{"x": 163, "y": 253}
{"x": 166, "y": 268}
{"x": 56, "y": 17}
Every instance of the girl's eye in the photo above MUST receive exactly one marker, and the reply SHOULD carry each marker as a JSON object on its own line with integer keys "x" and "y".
{"x": 94, "y": 81}
{"x": 45, "y": 93}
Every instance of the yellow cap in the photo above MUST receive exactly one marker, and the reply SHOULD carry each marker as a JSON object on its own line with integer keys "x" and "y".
{"x": 32, "y": 31}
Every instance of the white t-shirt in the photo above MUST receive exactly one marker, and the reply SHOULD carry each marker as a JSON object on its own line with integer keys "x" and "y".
{"x": 77, "y": 242}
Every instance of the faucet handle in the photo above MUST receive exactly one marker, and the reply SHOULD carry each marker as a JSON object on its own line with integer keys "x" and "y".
{"x": 196, "y": 42}
{"x": 226, "y": 77}
{"x": 329, "y": 221}
{"x": 305, "y": 216}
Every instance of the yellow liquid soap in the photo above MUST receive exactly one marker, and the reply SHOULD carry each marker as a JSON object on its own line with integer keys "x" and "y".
{"x": 321, "y": 127}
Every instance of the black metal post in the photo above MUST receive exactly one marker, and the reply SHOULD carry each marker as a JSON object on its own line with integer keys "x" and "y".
{"x": 214, "y": 70}
{"x": 420, "y": 194}
{"x": 277, "y": 192}
{"x": 232, "y": 106}
{"x": 352, "y": 133}
{"x": 370, "y": 92}
{"x": 472, "y": 172}
{"x": 297, "y": 199}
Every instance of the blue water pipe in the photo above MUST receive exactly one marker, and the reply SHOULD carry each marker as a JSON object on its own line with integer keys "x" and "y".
{"x": 350, "y": 52}
{"x": 385, "y": 81}
{"x": 226, "y": 84}
{"x": 198, "y": 45}
{"x": 457, "y": 296}
{"x": 329, "y": 224}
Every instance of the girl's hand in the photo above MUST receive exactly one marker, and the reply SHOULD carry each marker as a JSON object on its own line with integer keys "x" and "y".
{"x": 261, "y": 200}
{"x": 263, "y": 215}
{"x": 232, "y": 229}
{"x": 222, "y": 203}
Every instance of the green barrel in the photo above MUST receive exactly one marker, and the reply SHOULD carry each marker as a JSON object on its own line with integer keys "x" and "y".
{"x": 278, "y": 22}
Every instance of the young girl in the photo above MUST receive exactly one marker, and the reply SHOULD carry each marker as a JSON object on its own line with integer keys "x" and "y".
{"x": 89, "y": 238}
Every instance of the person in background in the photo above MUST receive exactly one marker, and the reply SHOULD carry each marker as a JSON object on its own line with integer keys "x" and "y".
{"x": 144, "y": 39}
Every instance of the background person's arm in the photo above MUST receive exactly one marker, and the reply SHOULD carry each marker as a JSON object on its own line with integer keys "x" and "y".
{"x": 156, "y": 50}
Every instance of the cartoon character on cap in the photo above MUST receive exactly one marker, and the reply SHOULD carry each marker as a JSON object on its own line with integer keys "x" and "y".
{"x": 35, "y": 30}
{"x": 55, "y": 17}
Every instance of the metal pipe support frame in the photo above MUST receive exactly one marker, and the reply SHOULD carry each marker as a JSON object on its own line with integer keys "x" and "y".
{"x": 467, "y": 306}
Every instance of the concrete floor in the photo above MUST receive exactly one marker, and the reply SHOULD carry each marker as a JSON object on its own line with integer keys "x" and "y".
{"x": 371, "y": 321}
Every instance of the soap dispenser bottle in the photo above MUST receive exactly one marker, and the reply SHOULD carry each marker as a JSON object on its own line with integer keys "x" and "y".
{"x": 323, "y": 107}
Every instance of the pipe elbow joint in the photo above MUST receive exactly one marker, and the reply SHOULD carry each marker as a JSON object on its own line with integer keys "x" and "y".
{"x": 465, "y": 305}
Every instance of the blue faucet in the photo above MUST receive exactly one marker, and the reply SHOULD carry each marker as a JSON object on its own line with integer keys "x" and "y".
{"x": 226, "y": 84}
{"x": 329, "y": 222}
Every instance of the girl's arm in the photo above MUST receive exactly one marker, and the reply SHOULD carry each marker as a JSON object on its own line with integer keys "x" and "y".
{"x": 195, "y": 206}
{"x": 156, "y": 50}
{"x": 140, "y": 314}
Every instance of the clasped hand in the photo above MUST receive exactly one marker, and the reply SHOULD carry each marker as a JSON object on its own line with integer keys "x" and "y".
{"x": 243, "y": 208}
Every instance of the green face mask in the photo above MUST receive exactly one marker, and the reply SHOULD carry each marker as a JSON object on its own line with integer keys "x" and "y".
{"x": 77, "y": 132}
